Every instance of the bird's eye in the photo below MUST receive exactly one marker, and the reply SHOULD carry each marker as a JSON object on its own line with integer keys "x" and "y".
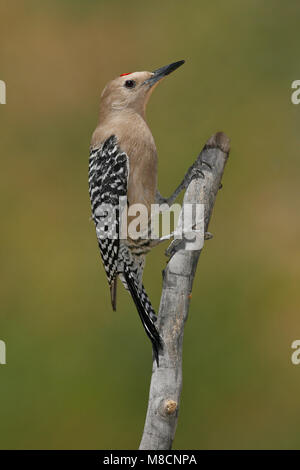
{"x": 130, "y": 84}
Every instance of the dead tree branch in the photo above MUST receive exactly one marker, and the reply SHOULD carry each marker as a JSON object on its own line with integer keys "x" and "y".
{"x": 166, "y": 382}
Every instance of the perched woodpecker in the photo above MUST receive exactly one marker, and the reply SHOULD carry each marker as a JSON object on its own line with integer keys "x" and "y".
{"x": 123, "y": 162}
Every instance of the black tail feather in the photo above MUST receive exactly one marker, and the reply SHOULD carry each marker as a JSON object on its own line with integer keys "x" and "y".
{"x": 144, "y": 309}
{"x": 113, "y": 293}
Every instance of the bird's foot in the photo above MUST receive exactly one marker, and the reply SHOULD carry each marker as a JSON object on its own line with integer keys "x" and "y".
{"x": 203, "y": 162}
{"x": 174, "y": 246}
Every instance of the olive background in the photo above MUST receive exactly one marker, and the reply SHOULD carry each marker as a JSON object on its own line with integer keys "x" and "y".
{"x": 78, "y": 374}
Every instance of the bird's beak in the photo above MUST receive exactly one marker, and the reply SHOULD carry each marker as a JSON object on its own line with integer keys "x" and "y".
{"x": 158, "y": 74}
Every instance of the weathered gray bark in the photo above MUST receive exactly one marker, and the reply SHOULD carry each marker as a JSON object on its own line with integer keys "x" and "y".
{"x": 166, "y": 382}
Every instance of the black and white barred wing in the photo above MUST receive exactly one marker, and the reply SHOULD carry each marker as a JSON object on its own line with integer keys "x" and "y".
{"x": 108, "y": 177}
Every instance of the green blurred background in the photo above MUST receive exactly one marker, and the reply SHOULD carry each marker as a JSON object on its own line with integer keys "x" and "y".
{"x": 77, "y": 374}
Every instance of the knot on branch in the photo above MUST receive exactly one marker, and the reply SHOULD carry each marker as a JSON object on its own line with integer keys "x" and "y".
{"x": 170, "y": 406}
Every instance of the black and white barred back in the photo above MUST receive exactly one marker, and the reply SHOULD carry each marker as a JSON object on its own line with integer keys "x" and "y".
{"x": 108, "y": 180}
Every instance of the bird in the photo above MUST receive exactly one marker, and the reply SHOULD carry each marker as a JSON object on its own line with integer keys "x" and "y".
{"x": 123, "y": 164}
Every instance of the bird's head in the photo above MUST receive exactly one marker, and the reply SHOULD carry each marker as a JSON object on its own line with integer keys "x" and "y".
{"x": 132, "y": 90}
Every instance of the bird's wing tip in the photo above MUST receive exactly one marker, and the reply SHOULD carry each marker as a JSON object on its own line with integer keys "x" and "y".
{"x": 113, "y": 294}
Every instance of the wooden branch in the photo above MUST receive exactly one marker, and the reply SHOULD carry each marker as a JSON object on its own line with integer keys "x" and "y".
{"x": 178, "y": 276}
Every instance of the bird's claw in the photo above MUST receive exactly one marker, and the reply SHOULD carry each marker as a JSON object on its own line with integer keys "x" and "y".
{"x": 153, "y": 317}
{"x": 203, "y": 162}
{"x": 193, "y": 173}
{"x": 174, "y": 246}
